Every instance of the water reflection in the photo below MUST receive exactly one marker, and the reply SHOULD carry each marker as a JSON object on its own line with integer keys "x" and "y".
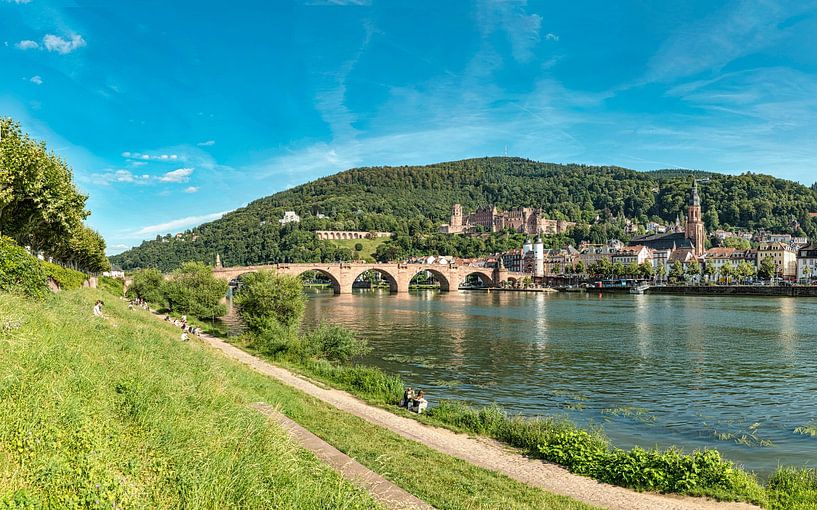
{"x": 689, "y": 370}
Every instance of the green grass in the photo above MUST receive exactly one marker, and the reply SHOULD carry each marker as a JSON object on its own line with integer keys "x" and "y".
{"x": 369, "y": 246}
{"x": 119, "y": 412}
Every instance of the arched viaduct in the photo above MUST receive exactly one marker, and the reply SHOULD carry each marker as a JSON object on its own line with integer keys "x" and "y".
{"x": 343, "y": 274}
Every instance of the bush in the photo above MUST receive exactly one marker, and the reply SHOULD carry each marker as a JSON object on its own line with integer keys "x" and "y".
{"x": 333, "y": 343}
{"x": 114, "y": 286}
{"x": 20, "y": 272}
{"x": 793, "y": 489}
{"x": 67, "y": 279}
{"x": 193, "y": 290}
{"x": 358, "y": 247}
{"x": 147, "y": 285}
{"x": 265, "y": 295}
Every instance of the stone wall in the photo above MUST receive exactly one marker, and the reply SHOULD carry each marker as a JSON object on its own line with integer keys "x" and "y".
{"x": 736, "y": 290}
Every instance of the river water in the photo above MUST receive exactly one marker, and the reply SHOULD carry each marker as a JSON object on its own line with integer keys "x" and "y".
{"x": 735, "y": 373}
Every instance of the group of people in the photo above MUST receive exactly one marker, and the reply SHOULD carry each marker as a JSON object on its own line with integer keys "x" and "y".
{"x": 141, "y": 303}
{"x": 186, "y": 329}
{"x": 414, "y": 403}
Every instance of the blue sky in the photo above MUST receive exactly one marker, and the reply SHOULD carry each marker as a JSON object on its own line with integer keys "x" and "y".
{"x": 172, "y": 113}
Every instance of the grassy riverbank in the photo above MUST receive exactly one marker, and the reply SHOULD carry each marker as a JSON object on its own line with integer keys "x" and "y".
{"x": 589, "y": 453}
{"x": 117, "y": 413}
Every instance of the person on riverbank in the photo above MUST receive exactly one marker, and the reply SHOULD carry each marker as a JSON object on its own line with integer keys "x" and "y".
{"x": 98, "y": 308}
{"x": 419, "y": 403}
{"x": 408, "y": 394}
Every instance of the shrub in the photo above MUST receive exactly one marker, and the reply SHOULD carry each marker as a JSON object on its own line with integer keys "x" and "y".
{"x": 193, "y": 290}
{"x": 19, "y": 271}
{"x": 358, "y": 247}
{"x": 147, "y": 285}
{"x": 266, "y": 295}
{"x": 66, "y": 278}
{"x": 114, "y": 286}
{"x": 369, "y": 382}
{"x": 793, "y": 489}
{"x": 333, "y": 343}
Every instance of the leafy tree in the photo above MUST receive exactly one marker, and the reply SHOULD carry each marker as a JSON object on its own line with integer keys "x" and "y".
{"x": 358, "y": 247}
{"x": 768, "y": 269}
{"x": 693, "y": 269}
{"x": 268, "y": 300}
{"x": 632, "y": 269}
{"x": 676, "y": 272}
{"x": 661, "y": 272}
{"x": 646, "y": 270}
{"x": 580, "y": 269}
{"x": 745, "y": 270}
{"x": 710, "y": 270}
{"x": 738, "y": 243}
{"x": 193, "y": 290}
{"x": 726, "y": 271}
{"x": 147, "y": 284}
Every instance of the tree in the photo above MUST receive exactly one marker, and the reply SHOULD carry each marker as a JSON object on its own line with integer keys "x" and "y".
{"x": 646, "y": 270}
{"x": 580, "y": 267}
{"x": 694, "y": 269}
{"x": 661, "y": 272}
{"x": 710, "y": 270}
{"x": 193, "y": 290}
{"x": 618, "y": 269}
{"x": 738, "y": 243}
{"x": 745, "y": 270}
{"x": 632, "y": 269}
{"x": 726, "y": 271}
{"x": 358, "y": 247}
{"x": 676, "y": 272}
{"x": 768, "y": 269}
{"x": 267, "y": 300}
{"x": 147, "y": 285}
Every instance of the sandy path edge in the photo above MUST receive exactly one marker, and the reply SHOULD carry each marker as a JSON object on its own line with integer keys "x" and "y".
{"x": 479, "y": 451}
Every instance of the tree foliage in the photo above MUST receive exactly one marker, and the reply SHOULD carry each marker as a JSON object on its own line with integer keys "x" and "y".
{"x": 40, "y": 206}
{"x": 266, "y": 297}
{"x": 193, "y": 290}
{"x": 147, "y": 284}
{"x": 19, "y": 271}
{"x": 412, "y": 201}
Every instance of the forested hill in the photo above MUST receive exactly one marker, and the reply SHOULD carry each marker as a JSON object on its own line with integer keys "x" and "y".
{"x": 412, "y": 200}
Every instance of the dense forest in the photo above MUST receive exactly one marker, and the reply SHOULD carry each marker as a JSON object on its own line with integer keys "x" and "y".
{"x": 413, "y": 201}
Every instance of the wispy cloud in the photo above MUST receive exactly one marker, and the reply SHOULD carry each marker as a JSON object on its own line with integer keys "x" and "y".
{"x": 36, "y": 80}
{"x": 551, "y": 37}
{"x": 191, "y": 189}
{"x": 176, "y": 225}
{"x": 178, "y": 175}
{"x": 27, "y": 45}
{"x": 123, "y": 176}
{"x": 206, "y": 143}
{"x": 150, "y": 157}
{"x": 510, "y": 16}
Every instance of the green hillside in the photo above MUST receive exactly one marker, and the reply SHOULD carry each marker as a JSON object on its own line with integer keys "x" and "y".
{"x": 413, "y": 200}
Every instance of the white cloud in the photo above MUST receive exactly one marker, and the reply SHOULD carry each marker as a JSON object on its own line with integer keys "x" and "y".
{"x": 521, "y": 28}
{"x": 181, "y": 223}
{"x": 63, "y": 47}
{"x": 27, "y": 45}
{"x": 551, "y": 37}
{"x": 178, "y": 175}
{"x": 150, "y": 157}
{"x": 191, "y": 189}
{"x": 207, "y": 143}
{"x": 120, "y": 176}
{"x": 36, "y": 80}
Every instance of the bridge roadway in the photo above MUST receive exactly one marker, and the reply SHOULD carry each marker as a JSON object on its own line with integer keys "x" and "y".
{"x": 398, "y": 275}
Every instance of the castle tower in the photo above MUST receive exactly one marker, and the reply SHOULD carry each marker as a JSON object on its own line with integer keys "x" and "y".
{"x": 527, "y": 247}
{"x": 695, "y": 230}
{"x": 456, "y": 218}
{"x": 538, "y": 258}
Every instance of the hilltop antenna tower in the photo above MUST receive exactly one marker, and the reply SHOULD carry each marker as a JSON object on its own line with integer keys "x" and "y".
{"x": 506, "y": 151}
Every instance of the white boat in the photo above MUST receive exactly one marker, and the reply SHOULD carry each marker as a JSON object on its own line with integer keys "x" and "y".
{"x": 639, "y": 289}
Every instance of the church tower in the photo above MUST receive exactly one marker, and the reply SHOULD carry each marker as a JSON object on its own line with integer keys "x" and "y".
{"x": 695, "y": 226}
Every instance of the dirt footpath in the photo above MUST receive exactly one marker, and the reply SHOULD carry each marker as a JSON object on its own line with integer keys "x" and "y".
{"x": 480, "y": 451}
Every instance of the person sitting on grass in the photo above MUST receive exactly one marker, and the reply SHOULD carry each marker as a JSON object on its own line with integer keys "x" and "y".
{"x": 407, "y": 396}
{"x": 98, "y": 308}
{"x": 419, "y": 403}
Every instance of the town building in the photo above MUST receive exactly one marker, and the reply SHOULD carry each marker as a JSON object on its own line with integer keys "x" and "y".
{"x": 691, "y": 235}
{"x": 784, "y": 257}
{"x": 633, "y": 255}
{"x": 489, "y": 219}
{"x": 807, "y": 262}
{"x": 289, "y": 217}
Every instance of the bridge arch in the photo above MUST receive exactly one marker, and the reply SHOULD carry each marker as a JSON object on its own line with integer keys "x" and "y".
{"x": 445, "y": 283}
{"x": 333, "y": 281}
{"x": 387, "y": 276}
{"x": 486, "y": 279}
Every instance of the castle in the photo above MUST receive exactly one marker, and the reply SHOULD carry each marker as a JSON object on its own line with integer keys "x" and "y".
{"x": 489, "y": 219}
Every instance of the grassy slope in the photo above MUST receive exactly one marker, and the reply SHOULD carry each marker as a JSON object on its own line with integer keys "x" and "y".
{"x": 120, "y": 411}
{"x": 369, "y": 246}
{"x": 117, "y": 413}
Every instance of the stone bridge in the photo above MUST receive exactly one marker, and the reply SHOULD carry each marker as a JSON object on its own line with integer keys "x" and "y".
{"x": 343, "y": 274}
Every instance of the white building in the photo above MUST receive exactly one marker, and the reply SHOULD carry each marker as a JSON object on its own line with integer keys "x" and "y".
{"x": 807, "y": 262}
{"x": 290, "y": 217}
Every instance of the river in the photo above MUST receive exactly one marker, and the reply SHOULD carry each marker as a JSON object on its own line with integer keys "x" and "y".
{"x": 735, "y": 373}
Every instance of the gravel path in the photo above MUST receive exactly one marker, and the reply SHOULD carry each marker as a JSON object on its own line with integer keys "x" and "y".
{"x": 481, "y": 451}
